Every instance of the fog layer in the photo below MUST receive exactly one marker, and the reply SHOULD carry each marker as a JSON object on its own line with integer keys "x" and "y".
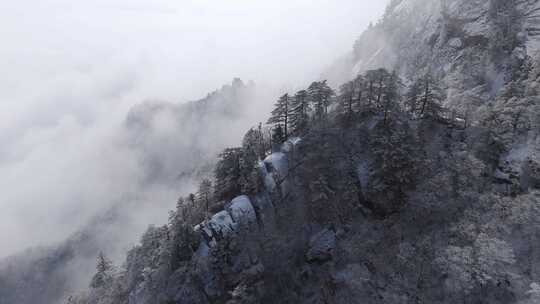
{"x": 71, "y": 70}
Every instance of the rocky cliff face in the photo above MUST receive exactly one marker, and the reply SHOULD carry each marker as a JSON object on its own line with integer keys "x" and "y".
{"x": 472, "y": 45}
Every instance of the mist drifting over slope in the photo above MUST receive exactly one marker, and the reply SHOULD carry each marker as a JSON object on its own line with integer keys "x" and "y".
{"x": 72, "y": 70}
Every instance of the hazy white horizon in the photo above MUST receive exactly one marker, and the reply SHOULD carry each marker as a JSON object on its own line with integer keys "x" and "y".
{"x": 69, "y": 71}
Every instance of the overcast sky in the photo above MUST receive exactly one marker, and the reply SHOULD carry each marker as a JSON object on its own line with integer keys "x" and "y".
{"x": 70, "y": 69}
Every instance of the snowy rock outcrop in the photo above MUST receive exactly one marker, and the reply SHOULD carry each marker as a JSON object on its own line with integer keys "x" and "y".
{"x": 276, "y": 163}
{"x": 239, "y": 212}
{"x": 242, "y": 211}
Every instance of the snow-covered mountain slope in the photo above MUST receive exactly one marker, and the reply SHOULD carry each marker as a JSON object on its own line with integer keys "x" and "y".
{"x": 472, "y": 44}
{"x": 382, "y": 198}
{"x": 380, "y": 201}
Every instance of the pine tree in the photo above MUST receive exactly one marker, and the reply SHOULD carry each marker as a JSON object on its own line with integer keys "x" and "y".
{"x": 280, "y": 115}
{"x": 360, "y": 86}
{"x": 205, "y": 195}
{"x": 252, "y": 152}
{"x": 103, "y": 275}
{"x": 263, "y": 140}
{"x": 253, "y": 144}
{"x": 396, "y": 163}
{"x": 351, "y": 96}
{"x": 347, "y": 101}
{"x": 278, "y": 137}
{"x": 377, "y": 82}
{"x": 431, "y": 98}
{"x": 382, "y": 75}
{"x": 391, "y": 95}
{"x": 371, "y": 77}
{"x": 191, "y": 200}
{"x": 320, "y": 95}
{"x": 412, "y": 97}
{"x": 236, "y": 173}
{"x": 299, "y": 112}
{"x": 227, "y": 174}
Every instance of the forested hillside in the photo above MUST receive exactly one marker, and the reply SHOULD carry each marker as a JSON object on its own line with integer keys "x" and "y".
{"x": 173, "y": 145}
{"x": 415, "y": 181}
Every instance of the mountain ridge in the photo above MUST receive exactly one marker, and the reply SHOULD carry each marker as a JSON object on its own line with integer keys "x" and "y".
{"x": 418, "y": 182}
{"x": 46, "y": 274}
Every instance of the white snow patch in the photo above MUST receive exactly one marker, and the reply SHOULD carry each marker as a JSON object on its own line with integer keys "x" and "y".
{"x": 295, "y": 140}
{"x": 241, "y": 210}
{"x": 224, "y": 222}
{"x": 278, "y": 161}
{"x": 269, "y": 182}
{"x": 221, "y": 222}
{"x": 290, "y": 144}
